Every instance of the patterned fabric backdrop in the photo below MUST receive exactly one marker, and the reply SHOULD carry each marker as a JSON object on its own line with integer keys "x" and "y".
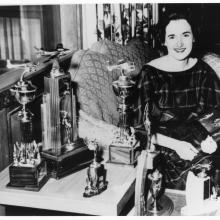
{"x": 121, "y": 22}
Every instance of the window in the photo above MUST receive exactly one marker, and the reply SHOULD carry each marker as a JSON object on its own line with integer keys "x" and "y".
{"x": 22, "y": 28}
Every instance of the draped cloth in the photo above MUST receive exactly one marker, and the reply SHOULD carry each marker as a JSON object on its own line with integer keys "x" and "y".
{"x": 176, "y": 101}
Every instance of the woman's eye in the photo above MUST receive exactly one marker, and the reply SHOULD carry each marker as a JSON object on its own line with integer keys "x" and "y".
{"x": 186, "y": 35}
{"x": 171, "y": 37}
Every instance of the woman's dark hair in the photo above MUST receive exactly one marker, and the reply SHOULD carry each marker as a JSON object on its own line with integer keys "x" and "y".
{"x": 173, "y": 17}
{"x": 165, "y": 20}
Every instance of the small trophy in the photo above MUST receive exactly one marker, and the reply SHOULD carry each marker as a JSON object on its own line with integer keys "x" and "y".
{"x": 96, "y": 174}
{"x": 124, "y": 148}
{"x": 28, "y": 171}
{"x": 63, "y": 150}
{"x": 156, "y": 180}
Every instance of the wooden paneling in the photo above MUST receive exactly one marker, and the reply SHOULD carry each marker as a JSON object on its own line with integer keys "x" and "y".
{"x": 13, "y": 133}
{"x": 4, "y": 150}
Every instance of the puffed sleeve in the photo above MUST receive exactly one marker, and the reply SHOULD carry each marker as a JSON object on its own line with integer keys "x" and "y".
{"x": 142, "y": 97}
{"x": 210, "y": 90}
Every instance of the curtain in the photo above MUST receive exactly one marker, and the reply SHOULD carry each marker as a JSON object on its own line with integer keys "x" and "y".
{"x": 30, "y": 33}
{"x": 118, "y": 22}
{"x": 20, "y": 30}
{"x": 71, "y": 26}
{"x": 121, "y": 22}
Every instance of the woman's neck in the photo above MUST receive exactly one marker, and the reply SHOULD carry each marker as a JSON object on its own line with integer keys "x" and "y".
{"x": 167, "y": 63}
{"x": 179, "y": 65}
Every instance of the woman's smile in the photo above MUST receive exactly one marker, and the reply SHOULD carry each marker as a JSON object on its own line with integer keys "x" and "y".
{"x": 179, "y": 50}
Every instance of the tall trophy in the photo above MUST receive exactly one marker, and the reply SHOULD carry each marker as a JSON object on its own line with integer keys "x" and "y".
{"x": 28, "y": 170}
{"x": 124, "y": 148}
{"x": 62, "y": 149}
{"x": 149, "y": 195}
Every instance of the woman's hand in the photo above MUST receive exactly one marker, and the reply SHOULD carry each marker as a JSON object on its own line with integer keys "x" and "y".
{"x": 186, "y": 150}
{"x": 208, "y": 145}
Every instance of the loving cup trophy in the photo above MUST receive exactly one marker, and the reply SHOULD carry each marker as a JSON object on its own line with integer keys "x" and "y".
{"x": 28, "y": 170}
{"x": 124, "y": 147}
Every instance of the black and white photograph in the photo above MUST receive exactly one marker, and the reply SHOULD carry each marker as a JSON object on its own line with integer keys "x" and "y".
{"x": 109, "y": 108}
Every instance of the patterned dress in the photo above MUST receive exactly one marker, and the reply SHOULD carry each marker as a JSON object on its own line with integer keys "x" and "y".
{"x": 176, "y": 100}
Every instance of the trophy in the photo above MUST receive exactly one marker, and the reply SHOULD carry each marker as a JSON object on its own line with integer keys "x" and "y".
{"x": 96, "y": 174}
{"x": 156, "y": 180}
{"x": 63, "y": 150}
{"x": 28, "y": 171}
{"x": 149, "y": 179}
{"x": 124, "y": 148}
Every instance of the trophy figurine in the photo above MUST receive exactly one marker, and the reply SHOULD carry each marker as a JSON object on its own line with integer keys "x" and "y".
{"x": 63, "y": 150}
{"x": 96, "y": 174}
{"x": 28, "y": 170}
{"x": 124, "y": 147}
{"x": 156, "y": 179}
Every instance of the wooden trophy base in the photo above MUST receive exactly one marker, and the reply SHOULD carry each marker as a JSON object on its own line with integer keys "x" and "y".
{"x": 124, "y": 154}
{"x": 68, "y": 162}
{"x": 28, "y": 178}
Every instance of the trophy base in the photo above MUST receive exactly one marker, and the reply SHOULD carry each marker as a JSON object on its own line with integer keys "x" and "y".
{"x": 164, "y": 207}
{"x": 89, "y": 192}
{"x": 124, "y": 154}
{"x": 59, "y": 166}
{"x": 28, "y": 178}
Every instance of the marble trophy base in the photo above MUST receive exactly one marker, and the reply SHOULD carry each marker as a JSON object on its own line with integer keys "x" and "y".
{"x": 65, "y": 163}
{"x": 28, "y": 178}
{"x": 165, "y": 206}
{"x": 124, "y": 154}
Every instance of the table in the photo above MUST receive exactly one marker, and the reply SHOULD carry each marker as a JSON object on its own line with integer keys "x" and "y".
{"x": 66, "y": 194}
{"x": 210, "y": 208}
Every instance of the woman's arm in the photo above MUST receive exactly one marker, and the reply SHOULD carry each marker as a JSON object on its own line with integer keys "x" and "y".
{"x": 184, "y": 149}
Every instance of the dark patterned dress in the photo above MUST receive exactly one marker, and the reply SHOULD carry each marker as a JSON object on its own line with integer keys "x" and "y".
{"x": 176, "y": 100}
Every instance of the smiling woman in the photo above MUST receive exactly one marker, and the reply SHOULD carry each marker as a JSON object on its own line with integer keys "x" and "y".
{"x": 176, "y": 89}
{"x": 179, "y": 39}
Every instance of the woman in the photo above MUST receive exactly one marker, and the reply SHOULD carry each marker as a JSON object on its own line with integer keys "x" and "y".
{"x": 176, "y": 88}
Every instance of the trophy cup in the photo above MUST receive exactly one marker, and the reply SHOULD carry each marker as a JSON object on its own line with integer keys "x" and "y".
{"x": 63, "y": 150}
{"x": 28, "y": 171}
{"x": 124, "y": 148}
{"x": 96, "y": 174}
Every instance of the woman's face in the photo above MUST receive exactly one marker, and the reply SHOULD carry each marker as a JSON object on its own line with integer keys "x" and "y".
{"x": 179, "y": 39}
